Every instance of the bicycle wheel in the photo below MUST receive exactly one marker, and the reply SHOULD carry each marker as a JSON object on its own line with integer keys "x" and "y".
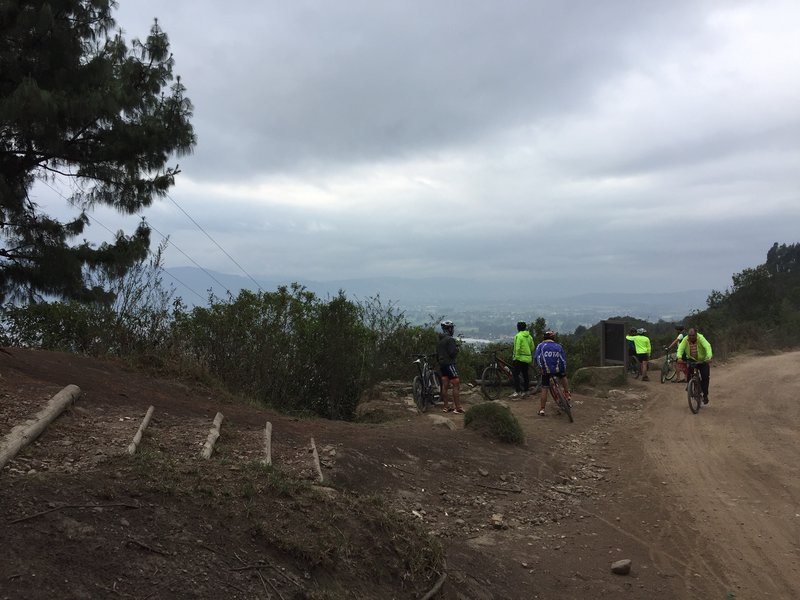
{"x": 434, "y": 386}
{"x": 695, "y": 395}
{"x": 667, "y": 370}
{"x": 561, "y": 400}
{"x": 491, "y": 383}
{"x": 634, "y": 367}
{"x": 416, "y": 389}
{"x": 671, "y": 369}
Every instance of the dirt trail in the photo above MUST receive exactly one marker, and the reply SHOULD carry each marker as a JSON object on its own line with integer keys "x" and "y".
{"x": 706, "y": 505}
{"x": 733, "y": 477}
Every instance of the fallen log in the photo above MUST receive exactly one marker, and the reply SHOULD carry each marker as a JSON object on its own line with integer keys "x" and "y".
{"x": 24, "y": 434}
{"x": 317, "y": 466}
{"x": 138, "y": 437}
{"x": 213, "y": 436}
{"x": 268, "y": 444}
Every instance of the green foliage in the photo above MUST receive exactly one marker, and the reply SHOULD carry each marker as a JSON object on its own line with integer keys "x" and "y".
{"x": 293, "y": 351}
{"x": 81, "y": 110}
{"x": 133, "y": 317}
{"x": 494, "y": 420}
{"x": 761, "y": 310}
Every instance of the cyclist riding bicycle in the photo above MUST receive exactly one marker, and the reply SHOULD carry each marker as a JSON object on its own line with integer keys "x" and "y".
{"x": 681, "y": 366}
{"x": 552, "y": 361}
{"x": 446, "y": 351}
{"x": 697, "y": 352}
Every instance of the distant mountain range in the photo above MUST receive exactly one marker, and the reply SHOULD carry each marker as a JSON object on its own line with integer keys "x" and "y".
{"x": 449, "y": 295}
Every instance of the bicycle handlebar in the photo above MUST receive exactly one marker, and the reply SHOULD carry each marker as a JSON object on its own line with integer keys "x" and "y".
{"x": 692, "y": 361}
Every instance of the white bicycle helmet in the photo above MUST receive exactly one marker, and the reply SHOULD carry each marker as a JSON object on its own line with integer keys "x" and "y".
{"x": 447, "y": 326}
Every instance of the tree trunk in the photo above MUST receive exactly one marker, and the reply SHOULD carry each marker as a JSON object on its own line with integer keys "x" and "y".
{"x": 213, "y": 435}
{"x": 138, "y": 437}
{"x": 317, "y": 466}
{"x": 24, "y": 434}
{"x": 268, "y": 444}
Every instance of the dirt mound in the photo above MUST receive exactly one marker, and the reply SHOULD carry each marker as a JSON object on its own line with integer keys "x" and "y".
{"x": 399, "y": 498}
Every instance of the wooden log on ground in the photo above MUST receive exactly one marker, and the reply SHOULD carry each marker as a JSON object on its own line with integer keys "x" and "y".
{"x": 138, "y": 437}
{"x": 24, "y": 434}
{"x": 268, "y": 444}
{"x": 213, "y": 436}
{"x": 316, "y": 460}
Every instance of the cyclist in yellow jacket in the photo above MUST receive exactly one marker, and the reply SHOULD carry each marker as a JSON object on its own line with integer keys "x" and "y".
{"x": 695, "y": 349}
{"x": 522, "y": 358}
{"x": 641, "y": 344}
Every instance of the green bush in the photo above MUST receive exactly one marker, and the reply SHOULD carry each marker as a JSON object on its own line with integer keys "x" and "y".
{"x": 494, "y": 420}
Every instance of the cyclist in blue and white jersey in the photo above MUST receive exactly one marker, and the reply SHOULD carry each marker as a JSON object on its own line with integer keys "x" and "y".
{"x": 552, "y": 361}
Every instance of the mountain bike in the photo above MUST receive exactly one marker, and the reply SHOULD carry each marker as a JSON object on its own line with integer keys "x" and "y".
{"x": 498, "y": 372}
{"x": 557, "y": 392}
{"x": 427, "y": 384}
{"x": 694, "y": 389}
{"x": 668, "y": 369}
{"x": 634, "y": 367}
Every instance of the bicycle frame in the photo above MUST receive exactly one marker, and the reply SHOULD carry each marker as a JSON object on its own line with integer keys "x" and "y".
{"x": 669, "y": 367}
{"x": 503, "y": 366}
{"x": 559, "y": 397}
{"x": 694, "y": 386}
{"x": 425, "y": 387}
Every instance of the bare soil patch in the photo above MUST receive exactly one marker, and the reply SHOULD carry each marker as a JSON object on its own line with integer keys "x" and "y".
{"x": 704, "y": 505}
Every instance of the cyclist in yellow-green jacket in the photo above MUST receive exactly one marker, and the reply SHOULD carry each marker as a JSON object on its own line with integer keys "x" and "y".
{"x": 641, "y": 345}
{"x": 522, "y": 358}
{"x": 695, "y": 350}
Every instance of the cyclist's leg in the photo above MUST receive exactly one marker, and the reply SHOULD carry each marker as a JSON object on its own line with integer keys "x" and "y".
{"x": 545, "y": 391}
{"x": 516, "y": 372}
{"x": 705, "y": 373}
{"x": 565, "y": 387}
{"x": 445, "y": 385}
{"x": 680, "y": 368}
{"x": 643, "y": 358}
{"x": 456, "y": 383}
{"x": 526, "y": 378}
{"x": 456, "y": 396}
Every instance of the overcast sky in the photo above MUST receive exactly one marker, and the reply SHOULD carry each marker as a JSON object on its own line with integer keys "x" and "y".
{"x": 596, "y": 146}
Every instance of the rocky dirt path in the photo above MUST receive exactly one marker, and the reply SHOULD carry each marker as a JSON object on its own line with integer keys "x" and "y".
{"x": 706, "y": 506}
{"x": 731, "y": 476}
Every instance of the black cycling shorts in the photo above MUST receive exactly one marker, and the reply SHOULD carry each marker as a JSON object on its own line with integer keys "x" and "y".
{"x": 449, "y": 371}
{"x": 546, "y": 378}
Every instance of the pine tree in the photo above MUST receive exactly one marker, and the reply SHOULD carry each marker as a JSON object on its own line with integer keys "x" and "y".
{"x": 78, "y": 106}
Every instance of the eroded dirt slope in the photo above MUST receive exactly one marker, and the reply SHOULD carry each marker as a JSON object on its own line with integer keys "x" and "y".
{"x": 704, "y": 505}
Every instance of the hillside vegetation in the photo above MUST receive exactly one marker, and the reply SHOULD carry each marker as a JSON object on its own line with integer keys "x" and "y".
{"x": 293, "y": 351}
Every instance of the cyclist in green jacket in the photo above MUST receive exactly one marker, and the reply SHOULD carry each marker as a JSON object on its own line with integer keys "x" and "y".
{"x": 695, "y": 349}
{"x": 522, "y": 358}
{"x": 641, "y": 344}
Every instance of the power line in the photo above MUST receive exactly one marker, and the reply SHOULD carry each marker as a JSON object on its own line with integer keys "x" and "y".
{"x": 188, "y": 216}
{"x": 95, "y": 220}
{"x": 193, "y": 261}
{"x": 170, "y": 242}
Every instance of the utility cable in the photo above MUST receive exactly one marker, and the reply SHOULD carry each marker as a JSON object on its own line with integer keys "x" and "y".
{"x": 188, "y": 216}
{"x": 95, "y": 220}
